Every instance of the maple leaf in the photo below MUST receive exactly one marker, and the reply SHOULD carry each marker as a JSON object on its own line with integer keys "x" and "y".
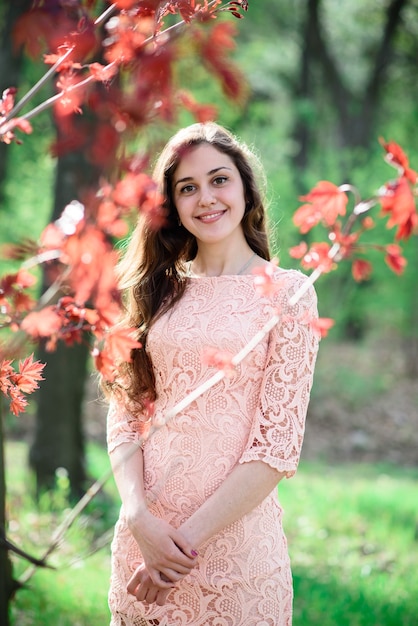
{"x": 85, "y": 252}
{"x": 394, "y": 258}
{"x": 6, "y": 371}
{"x": 213, "y": 50}
{"x": 73, "y": 94}
{"x": 7, "y": 101}
{"x": 42, "y": 323}
{"x": 108, "y": 219}
{"x": 103, "y": 73}
{"x": 322, "y": 325}
{"x": 361, "y": 269}
{"x": 346, "y": 241}
{"x": 52, "y": 237}
{"x": 29, "y": 374}
{"x": 326, "y": 203}
{"x": 398, "y": 200}
{"x": 264, "y": 279}
{"x": 107, "y": 295}
{"x": 306, "y": 217}
{"x": 125, "y": 4}
{"x": 221, "y": 359}
{"x": 299, "y": 251}
{"x": 202, "y": 112}
{"x": 397, "y": 157}
{"x": 120, "y": 342}
{"x": 24, "y": 279}
{"x": 317, "y": 257}
{"x": 18, "y": 402}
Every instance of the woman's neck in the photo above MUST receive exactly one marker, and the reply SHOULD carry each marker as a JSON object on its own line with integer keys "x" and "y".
{"x": 216, "y": 261}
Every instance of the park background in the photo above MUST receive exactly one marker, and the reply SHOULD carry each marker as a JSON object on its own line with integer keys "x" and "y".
{"x": 326, "y": 81}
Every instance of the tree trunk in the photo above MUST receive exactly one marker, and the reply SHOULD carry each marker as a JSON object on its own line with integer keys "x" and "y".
{"x": 10, "y": 66}
{"x": 6, "y": 575}
{"x": 59, "y": 439}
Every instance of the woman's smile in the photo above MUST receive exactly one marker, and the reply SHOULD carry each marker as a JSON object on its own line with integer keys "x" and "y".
{"x": 208, "y": 218}
{"x": 208, "y": 189}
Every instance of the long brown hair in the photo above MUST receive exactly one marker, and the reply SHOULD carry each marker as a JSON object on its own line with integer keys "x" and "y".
{"x": 152, "y": 272}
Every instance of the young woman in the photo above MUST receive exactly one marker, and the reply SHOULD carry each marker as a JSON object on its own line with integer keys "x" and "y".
{"x": 199, "y": 540}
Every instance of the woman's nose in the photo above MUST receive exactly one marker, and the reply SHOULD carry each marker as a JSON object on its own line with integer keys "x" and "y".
{"x": 207, "y": 197}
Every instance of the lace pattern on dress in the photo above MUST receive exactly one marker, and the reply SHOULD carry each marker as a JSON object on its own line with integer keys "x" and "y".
{"x": 243, "y": 576}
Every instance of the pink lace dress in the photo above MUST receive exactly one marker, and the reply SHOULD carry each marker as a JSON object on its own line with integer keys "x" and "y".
{"x": 257, "y": 412}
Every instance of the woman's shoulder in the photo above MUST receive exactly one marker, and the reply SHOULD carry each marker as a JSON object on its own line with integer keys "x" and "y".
{"x": 284, "y": 285}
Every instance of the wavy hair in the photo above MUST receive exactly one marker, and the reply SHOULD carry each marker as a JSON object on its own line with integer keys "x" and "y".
{"x": 152, "y": 272}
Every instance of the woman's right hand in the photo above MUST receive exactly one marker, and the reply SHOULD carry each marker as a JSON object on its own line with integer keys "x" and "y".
{"x": 168, "y": 555}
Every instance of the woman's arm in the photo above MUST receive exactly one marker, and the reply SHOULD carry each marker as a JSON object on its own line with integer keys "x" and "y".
{"x": 167, "y": 554}
{"x": 242, "y": 491}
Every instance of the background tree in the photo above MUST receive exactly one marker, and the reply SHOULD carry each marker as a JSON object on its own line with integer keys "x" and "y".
{"x": 77, "y": 247}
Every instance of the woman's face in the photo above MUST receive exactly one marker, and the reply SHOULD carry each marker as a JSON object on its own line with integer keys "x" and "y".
{"x": 209, "y": 195}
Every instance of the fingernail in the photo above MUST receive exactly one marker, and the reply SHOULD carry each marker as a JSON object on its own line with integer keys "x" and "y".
{"x": 194, "y": 553}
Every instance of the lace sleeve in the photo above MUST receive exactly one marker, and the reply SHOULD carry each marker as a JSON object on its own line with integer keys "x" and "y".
{"x": 279, "y": 422}
{"x": 122, "y": 426}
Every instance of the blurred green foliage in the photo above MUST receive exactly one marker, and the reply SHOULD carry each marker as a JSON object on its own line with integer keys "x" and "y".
{"x": 269, "y": 47}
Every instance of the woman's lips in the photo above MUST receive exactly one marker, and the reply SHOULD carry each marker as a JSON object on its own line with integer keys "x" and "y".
{"x": 207, "y": 218}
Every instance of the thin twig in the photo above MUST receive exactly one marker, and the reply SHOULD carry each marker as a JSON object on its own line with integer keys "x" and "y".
{"x": 105, "y": 14}
{"x": 41, "y": 82}
{"x": 68, "y": 522}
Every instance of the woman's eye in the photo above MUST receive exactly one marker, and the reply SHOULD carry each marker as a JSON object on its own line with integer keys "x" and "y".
{"x": 187, "y": 189}
{"x": 220, "y": 180}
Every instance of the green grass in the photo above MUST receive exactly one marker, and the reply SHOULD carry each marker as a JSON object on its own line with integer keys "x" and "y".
{"x": 352, "y": 533}
{"x": 75, "y": 592}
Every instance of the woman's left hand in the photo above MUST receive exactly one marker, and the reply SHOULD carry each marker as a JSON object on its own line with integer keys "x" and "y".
{"x": 142, "y": 587}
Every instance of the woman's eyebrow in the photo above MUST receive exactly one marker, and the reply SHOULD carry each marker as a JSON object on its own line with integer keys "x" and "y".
{"x": 210, "y": 173}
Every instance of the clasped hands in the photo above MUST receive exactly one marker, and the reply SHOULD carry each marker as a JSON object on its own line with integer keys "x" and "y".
{"x": 168, "y": 557}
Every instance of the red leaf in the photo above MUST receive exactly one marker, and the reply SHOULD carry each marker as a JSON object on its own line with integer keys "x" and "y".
{"x": 120, "y": 342}
{"x": 202, "y": 112}
{"x": 103, "y": 73}
{"x": 322, "y": 325}
{"x": 18, "y": 402}
{"x": 397, "y": 157}
{"x": 399, "y": 201}
{"x": 317, "y": 258}
{"x": 85, "y": 253}
{"x": 327, "y": 203}
{"x": 125, "y": 4}
{"x": 361, "y": 270}
{"x": 72, "y": 94}
{"x": 6, "y": 371}
{"x": 7, "y": 101}
{"x": 299, "y": 251}
{"x": 29, "y": 374}
{"x": 42, "y": 323}
{"x": 264, "y": 279}
{"x": 394, "y": 258}
{"x": 214, "y": 50}
{"x": 52, "y": 237}
{"x": 104, "y": 364}
{"x": 221, "y": 359}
